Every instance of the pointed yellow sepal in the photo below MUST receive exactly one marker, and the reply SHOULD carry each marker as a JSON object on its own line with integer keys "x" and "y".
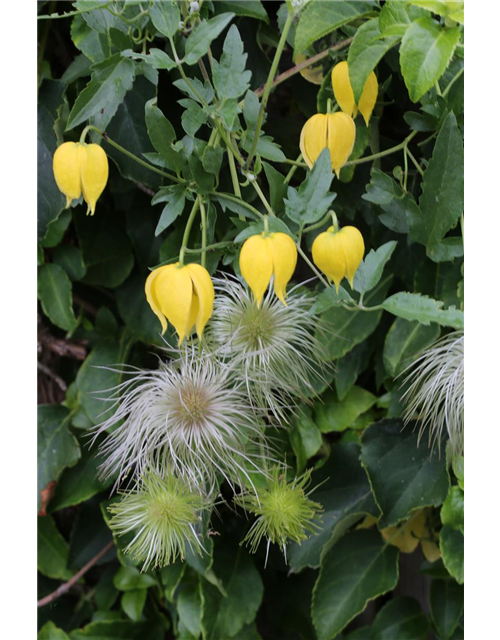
{"x": 338, "y": 254}
{"x": 263, "y": 256}
{"x": 183, "y": 296}
{"x": 81, "y": 168}
{"x": 344, "y": 95}
{"x": 336, "y": 131}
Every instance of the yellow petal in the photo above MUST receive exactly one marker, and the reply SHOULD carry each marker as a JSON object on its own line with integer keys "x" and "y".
{"x": 204, "y": 293}
{"x": 342, "y": 89}
{"x": 328, "y": 256}
{"x": 430, "y": 550}
{"x": 94, "y": 174}
{"x": 368, "y": 97}
{"x": 354, "y": 250}
{"x": 341, "y": 137}
{"x": 367, "y": 522}
{"x": 313, "y": 74}
{"x": 150, "y": 289}
{"x": 284, "y": 253}
{"x": 256, "y": 265}
{"x": 313, "y": 138}
{"x": 66, "y": 167}
{"x": 409, "y": 533}
{"x": 174, "y": 293}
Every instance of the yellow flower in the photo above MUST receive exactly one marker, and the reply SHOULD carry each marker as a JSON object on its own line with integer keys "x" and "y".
{"x": 182, "y": 295}
{"x": 345, "y": 97}
{"x": 314, "y": 73}
{"x": 264, "y": 255}
{"x": 336, "y": 131}
{"x": 339, "y": 253}
{"x": 81, "y": 168}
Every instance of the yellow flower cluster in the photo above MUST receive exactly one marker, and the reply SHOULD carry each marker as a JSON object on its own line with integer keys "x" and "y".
{"x": 81, "y": 168}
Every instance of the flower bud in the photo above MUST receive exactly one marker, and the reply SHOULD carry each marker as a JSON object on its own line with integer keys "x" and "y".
{"x": 339, "y": 253}
{"x": 182, "y": 295}
{"x": 263, "y": 256}
{"x": 336, "y": 131}
{"x": 81, "y": 168}
{"x": 344, "y": 95}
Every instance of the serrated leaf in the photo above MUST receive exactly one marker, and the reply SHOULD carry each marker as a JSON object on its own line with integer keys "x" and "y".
{"x": 250, "y": 8}
{"x": 173, "y": 208}
{"x": 110, "y": 81}
{"x": 359, "y": 568}
{"x": 230, "y": 78}
{"x": 332, "y": 415}
{"x": 162, "y": 134}
{"x": 400, "y": 619}
{"x": 403, "y": 475}
{"x": 165, "y": 16}
{"x": 310, "y": 202}
{"x": 201, "y": 38}
{"x": 404, "y": 341}
{"x": 426, "y": 51}
{"x": 55, "y": 295}
{"x": 399, "y": 208}
{"x": 413, "y": 306}
{"x": 365, "y": 52}
{"x": 371, "y": 268}
{"x": 394, "y": 19}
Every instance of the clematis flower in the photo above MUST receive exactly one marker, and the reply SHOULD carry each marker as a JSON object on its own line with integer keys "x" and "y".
{"x": 339, "y": 253}
{"x": 182, "y": 295}
{"x": 266, "y": 255}
{"x": 335, "y": 131}
{"x": 81, "y": 169}
{"x": 344, "y": 95}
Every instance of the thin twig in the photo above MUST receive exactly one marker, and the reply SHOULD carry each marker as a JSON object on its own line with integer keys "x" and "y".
{"x": 58, "y": 380}
{"x": 67, "y": 585}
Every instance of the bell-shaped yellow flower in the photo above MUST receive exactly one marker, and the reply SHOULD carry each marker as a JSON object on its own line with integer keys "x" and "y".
{"x": 336, "y": 131}
{"x": 344, "y": 95}
{"x": 81, "y": 168}
{"x": 339, "y": 253}
{"x": 263, "y": 256}
{"x": 182, "y": 295}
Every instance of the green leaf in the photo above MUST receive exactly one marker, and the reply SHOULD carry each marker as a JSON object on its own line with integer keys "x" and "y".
{"x": 190, "y": 605}
{"x": 170, "y": 578}
{"x": 400, "y": 619}
{"x": 130, "y": 579}
{"x": 165, "y": 16}
{"x": 413, "y": 306}
{"x": 346, "y": 497}
{"x": 265, "y": 148}
{"x": 57, "y": 447}
{"x": 305, "y": 436}
{"x": 156, "y": 58}
{"x": 56, "y": 230}
{"x": 176, "y": 199}
{"x": 442, "y": 199}
{"x": 193, "y": 117}
{"x": 128, "y": 129}
{"x": 371, "y": 268}
{"x": 403, "y": 475}
{"x": 199, "y": 41}
{"x": 322, "y": 17}
{"x": 458, "y": 470}
{"x": 345, "y": 329}
{"x": 95, "y": 46}
{"x": 50, "y": 201}
{"x": 69, "y": 258}
{"x": 120, "y": 630}
{"x": 212, "y": 159}
{"x": 310, "y": 203}
{"x": 277, "y": 187}
{"x": 335, "y": 415}
{"x": 365, "y": 52}
{"x": 49, "y": 631}
{"x": 52, "y": 550}
{"x": 447, "y": 606}
{"x": 452, "y": 511}
{"x": 54, "y": 293}
{"x": 250, "y": 8}
{"x": 349, "y": 367}
{"x": 133, "y": 603}
{"x": 426, "y": 51}
{"x": 224, "y": 617}
{"x": 451, "y": 543}
{"x": 110, "y": 81}
{"x": 359, "y": 568}
{"x": 230, "y": 78}
{"x": 403, "y": 343}
{"x": 394, "y": 19}
{"x": 161, "y": 134}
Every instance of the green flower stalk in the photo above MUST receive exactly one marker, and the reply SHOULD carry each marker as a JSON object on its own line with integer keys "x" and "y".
{"x": 163, "y": 513}
{"x": 284, "y": 511}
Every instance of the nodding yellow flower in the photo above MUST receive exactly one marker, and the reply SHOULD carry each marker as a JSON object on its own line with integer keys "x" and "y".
{"x": 81, "y": 168}
{"x": 345, "y": 97}
{"x": 265, "y": 255}
{"x": 183, "y": 295}
{"x": 339, "y": 253}
{"x": 336, "y": 131}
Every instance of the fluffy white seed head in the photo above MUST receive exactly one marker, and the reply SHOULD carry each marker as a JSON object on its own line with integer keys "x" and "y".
{"x": 274, "y": 346}
{"x": 192, "y": 416}
{"x": 435, "y": 394}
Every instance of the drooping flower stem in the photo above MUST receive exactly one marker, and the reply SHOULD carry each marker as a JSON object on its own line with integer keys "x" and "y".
{"x": 311, "y": 265}
{"x": 234, "y": 177}
{"x": 262, "y": 197}
{"x": 187, "y": 230}
{"x": 268, "y": 86}
{"x": 241, "y": 202}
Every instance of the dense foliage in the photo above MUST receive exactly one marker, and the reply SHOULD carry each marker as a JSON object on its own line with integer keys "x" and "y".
{"x": 199, "y": 107}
